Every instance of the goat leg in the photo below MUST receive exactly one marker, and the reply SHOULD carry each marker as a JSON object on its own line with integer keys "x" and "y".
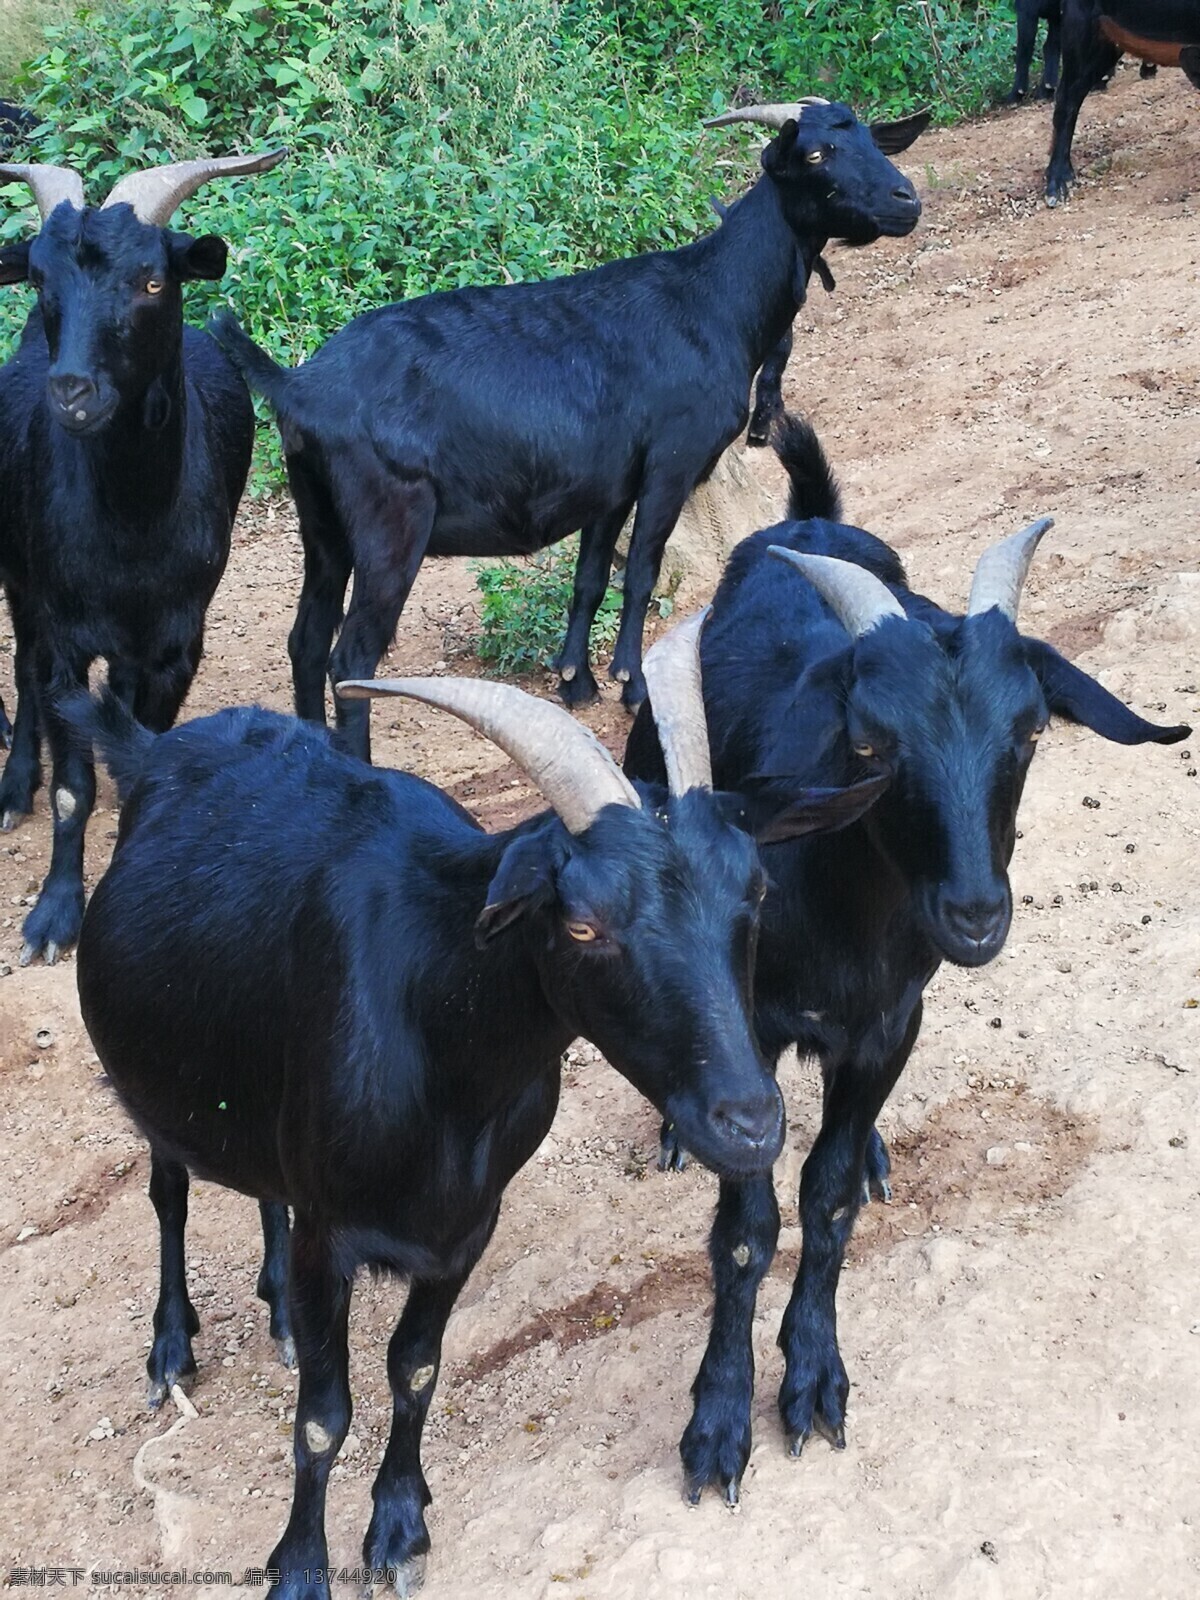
{"x": 175, "y": 1319}
{"x": 320, "y": 1305}
{"x": 815, "y": 1386}
{"x": 389, "y": 544}
{"x": 716, "y": 1442}
{"x": 397, "y": 1539}
{"x": 22, "y": 770}
{"x": 327, "y": 565}
{"x": 658, "y": 510}
{"x": 273, "y": 1277}
{"x": 55, "y": 920}
{"x": 577, "y": 686}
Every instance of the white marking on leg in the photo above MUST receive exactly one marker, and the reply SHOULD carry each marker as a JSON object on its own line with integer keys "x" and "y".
{"x": 64, "y": 804}
{"x": 317, "y": 1438}
{"x": 420, "y": 1379}
{"x": 741, "y": 1255}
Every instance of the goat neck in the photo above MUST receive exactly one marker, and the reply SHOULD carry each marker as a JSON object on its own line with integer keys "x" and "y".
{"x": 762, "y": 272}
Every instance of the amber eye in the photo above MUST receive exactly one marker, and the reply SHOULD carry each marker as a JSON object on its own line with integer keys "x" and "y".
{"x": 154, "y": 286}
{"x": 1036, "y": 735}
{"x": 815, "y": 156}
{"x": 582, "y": 931}
{"x": 867, "y": 750}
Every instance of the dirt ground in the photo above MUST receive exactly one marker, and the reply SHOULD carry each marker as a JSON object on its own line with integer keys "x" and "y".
{"x": 1022, "y": 1323}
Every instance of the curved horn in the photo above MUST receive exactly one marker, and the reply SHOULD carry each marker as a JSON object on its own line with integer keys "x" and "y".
{"x": 858, "y": 597}
{"x": 50, "y": 185}
{"x": 157, "y": 193}
{"x": 672, "y": 671}
{"x": 1002, "y": 570}
{"x": 773, "y": 116}
{"x": 564, "y": 759}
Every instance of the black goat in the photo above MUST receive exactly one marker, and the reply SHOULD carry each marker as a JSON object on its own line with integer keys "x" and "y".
{"x": 325, "y": 986}
{"x": 1029, "y": 14}
{"x": 1095, "y": 35}
{"x": 819, "y": 677}
{"x": 125, "y": 440}
{"x": 499, "y": 420}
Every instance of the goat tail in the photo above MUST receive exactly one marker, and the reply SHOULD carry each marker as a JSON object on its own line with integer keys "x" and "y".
{"x": 108, "y": 724}
{"x": 814, "y": 491}
{"x": 265, "y": 376}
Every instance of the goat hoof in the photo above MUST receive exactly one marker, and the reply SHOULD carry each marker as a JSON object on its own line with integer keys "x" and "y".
{"x": 155, "y": 1395}
{"x": 404, "y": 1581}
{"x": 733, "y": 1498}
{"x": 672, "y": 1157}
{"x": 287, "y": 1352}
{"x": 796, "y": 1444}
{"x": 622, "y": 675}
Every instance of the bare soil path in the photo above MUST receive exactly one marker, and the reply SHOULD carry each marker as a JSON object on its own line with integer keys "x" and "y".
{"x": 1022, "y": 1324}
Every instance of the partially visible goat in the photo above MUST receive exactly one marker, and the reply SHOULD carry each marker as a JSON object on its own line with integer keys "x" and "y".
{"x": 125, "y": 440}
{"x": 325, "y": 986}
{"x": 821, "y": 668}
{"x": 497, "y": 420}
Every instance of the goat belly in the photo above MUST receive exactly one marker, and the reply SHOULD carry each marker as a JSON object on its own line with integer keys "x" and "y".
{"x": 1152, "y": 32}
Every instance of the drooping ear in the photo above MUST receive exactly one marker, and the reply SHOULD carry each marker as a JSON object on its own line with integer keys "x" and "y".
{"x": 892, "y": 137}
{"x": 14, "y": 262}
{"x": 822, "y": 810}
{"x": 1189, "y": 60}
{"x": 777, "y": 154}
{"x": 527, "y": 875}
{"x": 197, "y": 258}
{"x": 1072, "y": 694}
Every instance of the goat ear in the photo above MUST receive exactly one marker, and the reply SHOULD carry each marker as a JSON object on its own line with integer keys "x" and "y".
{"x": 822, "y": 810}
{"x": 197, "y": 258}
{"x": 892, "y": 137}
{"x": 776, "y": 155}
{"x": 1072, "y": 694}
{"x": 14, "y": 263}
{"x": 527, "y": 875}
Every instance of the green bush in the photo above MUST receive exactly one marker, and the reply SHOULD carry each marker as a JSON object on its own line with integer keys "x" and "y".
{"x": 443, "y": 142}
{"x": 523, "y": 609}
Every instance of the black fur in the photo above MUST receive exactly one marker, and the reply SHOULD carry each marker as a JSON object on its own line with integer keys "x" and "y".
{"x": 323, "y": 985}
{"x": 1029, "y": 14}
{"x": 944, "y": 711}
{"x": 491, "y": 421}
{"x": 1089, "y": 57}
{"x": 125, "y": 440}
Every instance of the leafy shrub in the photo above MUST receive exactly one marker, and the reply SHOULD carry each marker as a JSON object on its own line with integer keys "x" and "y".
{"x": 523, "y": 611}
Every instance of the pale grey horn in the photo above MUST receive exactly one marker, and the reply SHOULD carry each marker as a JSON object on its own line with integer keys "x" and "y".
{"x": 1002, "y": 570}
{"x": 772, "y": 116}
{"x": 672, "y": 669}
{"x": 566, "y": 761}
{"x": 857, "y": 596}
{"x": 50, "y": 185}
{"x": 157, "y": 193}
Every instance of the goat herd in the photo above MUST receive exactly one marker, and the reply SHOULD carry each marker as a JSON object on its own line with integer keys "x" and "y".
{"x": 321, "y": 983}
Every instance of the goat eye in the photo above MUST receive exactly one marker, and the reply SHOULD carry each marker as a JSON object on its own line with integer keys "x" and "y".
{"x": 867, "y": 750}
{"x": 582, "y": 931}
{"x": 154, "y": 285}
{"x": 1036, "y": 734}
{"x": 815, "y": 156}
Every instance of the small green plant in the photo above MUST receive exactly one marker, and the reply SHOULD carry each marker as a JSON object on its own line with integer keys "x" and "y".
{"x": 523, "y": 614}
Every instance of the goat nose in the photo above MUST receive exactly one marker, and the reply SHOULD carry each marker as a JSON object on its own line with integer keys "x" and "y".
{"x": 906, "y": 193}
{"x": 757, "y": 1122}
{"x": 71, "y": 390}
{"x": 979, "y": 920}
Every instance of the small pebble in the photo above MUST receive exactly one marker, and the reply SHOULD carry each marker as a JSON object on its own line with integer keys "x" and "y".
{"x": 1092, "y": 805}
{"x": 996, "y": 1022}
{"x": 1129, "y": 849}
